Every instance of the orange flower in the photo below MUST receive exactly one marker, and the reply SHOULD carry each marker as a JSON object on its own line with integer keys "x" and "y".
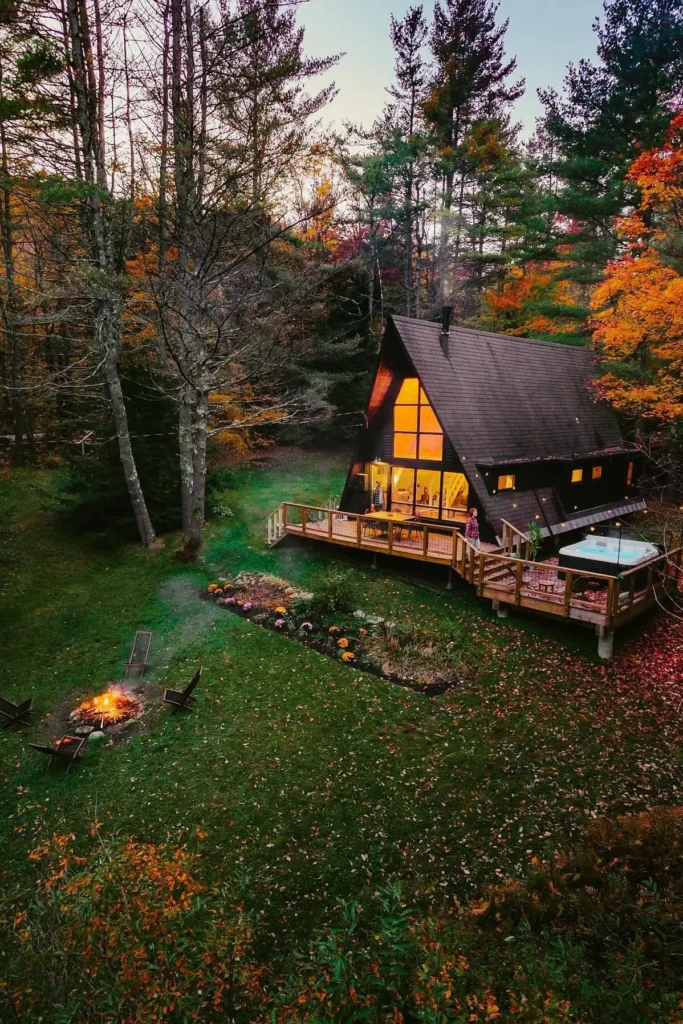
{"x": 363, "y": 632}
{"x": 280, "y": 610}
{"x": 342, "y": 642}
{"x": 334, "y": 629}
{"x": 348, "y": 656}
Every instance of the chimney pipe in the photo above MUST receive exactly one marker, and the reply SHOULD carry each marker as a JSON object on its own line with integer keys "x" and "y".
{"x": 445, "y": 328}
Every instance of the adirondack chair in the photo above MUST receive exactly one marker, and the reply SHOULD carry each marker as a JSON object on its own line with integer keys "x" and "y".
{"x": 181, "y": 698}
{"x": 16, "y": 712}
{"x": 68, "y": 749}
{"x": 139, "y": 655}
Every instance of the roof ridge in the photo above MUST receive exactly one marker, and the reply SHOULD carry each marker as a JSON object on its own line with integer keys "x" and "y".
{"x": 492, "y": 334}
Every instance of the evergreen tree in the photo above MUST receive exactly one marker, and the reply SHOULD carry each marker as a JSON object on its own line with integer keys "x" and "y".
{"x": 470, "y": 85}
{"x": 408, "y": 37}
{"x": 608, "y": 113}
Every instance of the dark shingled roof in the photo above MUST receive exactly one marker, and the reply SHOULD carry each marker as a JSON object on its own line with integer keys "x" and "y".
{"x": 504, "y": 399}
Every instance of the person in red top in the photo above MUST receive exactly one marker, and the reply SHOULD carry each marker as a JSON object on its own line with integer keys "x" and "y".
{"x": 472, "y": 528}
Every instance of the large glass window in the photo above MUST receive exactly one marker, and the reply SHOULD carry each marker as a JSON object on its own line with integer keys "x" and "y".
{"x": 417, "y": 434}
{"x": 428, "y": 493}
{"x": 455, "y": 495}
{"x": 403, "y": 490}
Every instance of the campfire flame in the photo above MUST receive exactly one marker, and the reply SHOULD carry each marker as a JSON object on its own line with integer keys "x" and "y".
{"x": 108, "y": 708}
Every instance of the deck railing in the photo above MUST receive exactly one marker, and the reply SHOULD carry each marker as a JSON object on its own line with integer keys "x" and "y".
{"x": 607, "y": 601}
{"x": 514, "y": 541}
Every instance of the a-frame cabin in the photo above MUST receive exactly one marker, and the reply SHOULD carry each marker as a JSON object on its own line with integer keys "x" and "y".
{"x": 512, "y": 427}
{"x": 462, "y": 418}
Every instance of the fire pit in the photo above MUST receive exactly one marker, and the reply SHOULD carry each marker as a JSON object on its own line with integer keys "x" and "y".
{"x": 113, "y": 707}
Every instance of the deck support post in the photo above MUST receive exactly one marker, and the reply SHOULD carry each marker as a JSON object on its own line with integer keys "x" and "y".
{"x": 501, "y": 610}
{"x": 449, "y": 582}
{"x": 374, "y": 560}
{"x": 605, "y": 644}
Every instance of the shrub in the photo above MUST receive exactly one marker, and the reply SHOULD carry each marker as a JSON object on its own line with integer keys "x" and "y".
{"x": 420, "y": 658}
{"x": 334, "y": 597}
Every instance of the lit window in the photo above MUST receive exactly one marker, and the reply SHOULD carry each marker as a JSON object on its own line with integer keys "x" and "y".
{"x": 629, "y": 474}
{"x": 405, "y": 446}
{"x": 428, "y": 493}
{"x": 455, "y": 494}
{"x": 402, "y": 490}
{"x": 577, "y": 476}
{"x": 597, "y": 472}
{"x": 417, "y": 433}
{"x": 431, "y": 447}
{"x": 506, "y": 482}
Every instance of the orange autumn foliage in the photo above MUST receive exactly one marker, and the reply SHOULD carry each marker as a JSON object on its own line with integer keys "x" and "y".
{"x": 638, "y": 308}
{"x": 511, "y": 307}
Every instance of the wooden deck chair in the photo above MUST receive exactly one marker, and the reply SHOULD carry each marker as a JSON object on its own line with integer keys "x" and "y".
{"x": 181, "y": 698}
{"x": 139, "y": 655}
{"x": 16, "y": 713}
{"x": 66, "y": 749}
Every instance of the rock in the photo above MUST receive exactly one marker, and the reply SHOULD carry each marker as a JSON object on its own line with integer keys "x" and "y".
{"x": 97, "y": 735}
{"x": 84, "y": 730}
{"x": 260, "y": 618}
{"x": 73, "y": 716}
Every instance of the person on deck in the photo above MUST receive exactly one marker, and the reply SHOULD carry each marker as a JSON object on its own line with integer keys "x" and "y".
{"x": 472, "y": 529}
{"x": 378, "y": 497}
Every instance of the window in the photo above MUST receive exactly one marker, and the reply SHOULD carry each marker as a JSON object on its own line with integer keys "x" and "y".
{"x": 455, "y": 495}
{"x": 428, "y": 493}
{"x": 597, "y": 472}
{"x": 629, "y": 474}
{"x": 506, "y": 482}
{"x": 403, "y": 490}
{"x": 417, "y": 434}
{"x": 577, "y": 476}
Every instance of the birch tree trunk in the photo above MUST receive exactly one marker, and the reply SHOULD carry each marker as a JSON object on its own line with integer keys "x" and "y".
{"x": 89, "y": 90}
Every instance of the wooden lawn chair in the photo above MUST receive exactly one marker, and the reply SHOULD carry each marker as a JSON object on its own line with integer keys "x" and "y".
{"x": 139, "y": 655}
{"x": 15, "y": 713}
{"x": 180, "y": 699}
{"x": 68, "y": 749}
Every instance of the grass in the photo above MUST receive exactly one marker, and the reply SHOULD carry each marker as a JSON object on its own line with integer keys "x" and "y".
{"x": 311, "y": 779}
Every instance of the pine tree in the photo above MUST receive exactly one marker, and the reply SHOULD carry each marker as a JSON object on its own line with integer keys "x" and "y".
{"x": 471, "y": 84}
{"x": 609, "y": 112}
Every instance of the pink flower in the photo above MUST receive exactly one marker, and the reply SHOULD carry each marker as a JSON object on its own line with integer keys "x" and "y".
{"x": 279, "y": 623}
{"x": 306, "y": 625}
{"x": 231, "y": 600}
{"x": 248, "y": 605}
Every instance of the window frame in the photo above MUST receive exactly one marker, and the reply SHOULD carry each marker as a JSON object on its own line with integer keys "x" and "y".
{"x": 596, "y": 473}
{"x": 577, "y": 475}
{"x": 420, "y": 403}
{"x": 505, "y": 486}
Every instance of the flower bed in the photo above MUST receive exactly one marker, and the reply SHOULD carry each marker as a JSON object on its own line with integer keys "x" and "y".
{"x": 414, "y": 660}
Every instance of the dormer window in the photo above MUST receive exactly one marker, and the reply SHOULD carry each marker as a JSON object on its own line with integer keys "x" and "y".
{"x": 417, "y": 434}
{"x": 577, "y": 476}
{"x": 597, "y": 473}
{"x": 506, "y": 482}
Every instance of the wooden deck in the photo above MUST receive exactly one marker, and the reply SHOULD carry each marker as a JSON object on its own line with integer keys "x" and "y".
{"x": 499, "y": 574}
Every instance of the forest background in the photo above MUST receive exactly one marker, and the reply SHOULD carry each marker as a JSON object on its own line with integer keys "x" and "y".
{"x": 192, "y": 263}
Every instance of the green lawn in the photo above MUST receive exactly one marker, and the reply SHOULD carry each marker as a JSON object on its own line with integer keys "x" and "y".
{"x": 311, "y": 778}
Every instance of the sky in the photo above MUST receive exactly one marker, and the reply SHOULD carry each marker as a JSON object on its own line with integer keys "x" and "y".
{"x": 545, "y": 35}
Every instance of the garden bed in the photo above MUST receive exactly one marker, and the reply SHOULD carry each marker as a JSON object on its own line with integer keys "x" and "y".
{"x": 329, "y": 624}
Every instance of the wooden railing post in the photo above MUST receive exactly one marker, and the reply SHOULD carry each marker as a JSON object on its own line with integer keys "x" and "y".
{"x": 303, "y": 519}
{"x": 390, "y": 536}
{"x": 359, "y": 528}
{"x": 284, "y": 517}
{"x": 463, "y": 558}
{"x": 480, "y": 581}
{"x": 568, "y": 586}
{"x": 425, "y": 541}
{"x": 330, "y": 524}
{"x": 454, "y": 553}
{"x": 519, "y": 580}
{"x": 609, "y": 610}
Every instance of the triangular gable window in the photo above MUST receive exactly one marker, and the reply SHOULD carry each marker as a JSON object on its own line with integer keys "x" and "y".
{"x": 417, "y": 434}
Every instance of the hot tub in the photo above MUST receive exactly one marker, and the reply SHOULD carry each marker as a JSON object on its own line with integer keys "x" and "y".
{"x": 607, "y": 555}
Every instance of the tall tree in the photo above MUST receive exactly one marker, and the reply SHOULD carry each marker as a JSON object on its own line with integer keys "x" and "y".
{"x": 470, "y": 84}
{"x": 408, "y": 37}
